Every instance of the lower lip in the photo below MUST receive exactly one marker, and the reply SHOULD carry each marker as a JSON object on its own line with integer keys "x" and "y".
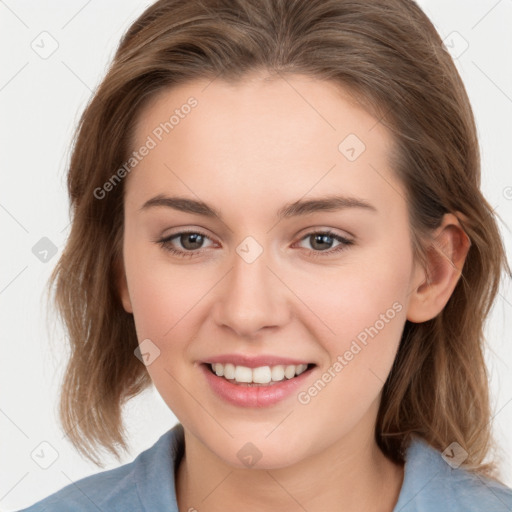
{"x": 253, "y": 396}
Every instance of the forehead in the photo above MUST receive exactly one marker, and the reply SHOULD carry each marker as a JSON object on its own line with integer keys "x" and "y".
{"x": 262, "y": 138}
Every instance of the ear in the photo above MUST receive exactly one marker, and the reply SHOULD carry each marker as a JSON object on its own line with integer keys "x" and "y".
{"x": 445, "y": 259}
{"x": 122, "y": 286}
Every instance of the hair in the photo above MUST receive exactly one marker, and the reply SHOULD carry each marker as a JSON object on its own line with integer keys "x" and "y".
{"x": 389, "y": 56}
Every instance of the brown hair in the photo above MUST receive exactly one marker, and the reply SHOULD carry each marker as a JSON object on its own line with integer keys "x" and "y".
{"x": 389, "y": 56}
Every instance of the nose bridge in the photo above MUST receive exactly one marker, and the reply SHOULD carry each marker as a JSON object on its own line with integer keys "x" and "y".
{"x": 252, "y": 297}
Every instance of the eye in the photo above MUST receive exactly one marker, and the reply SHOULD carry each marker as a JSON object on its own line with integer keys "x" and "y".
{"x": 320, "y": 239}
{"x": 190, "y": 242}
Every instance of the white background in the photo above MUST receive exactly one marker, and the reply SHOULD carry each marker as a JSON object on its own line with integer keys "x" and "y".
{"x": 41, "y": 100}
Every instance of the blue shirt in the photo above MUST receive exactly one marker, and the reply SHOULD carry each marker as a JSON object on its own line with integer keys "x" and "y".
{"x": 147, "y": 484}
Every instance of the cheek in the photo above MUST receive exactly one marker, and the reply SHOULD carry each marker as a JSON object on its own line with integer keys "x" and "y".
{"x": 162, "y": 294}
{"x": 360, "y": 312}
{"x": 351, "y": 299}
{"x": 365, "y": 326}
{"x": 165, "y": 300}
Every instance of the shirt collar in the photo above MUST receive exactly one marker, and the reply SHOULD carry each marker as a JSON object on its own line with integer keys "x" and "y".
{"x": 429, "y": 480}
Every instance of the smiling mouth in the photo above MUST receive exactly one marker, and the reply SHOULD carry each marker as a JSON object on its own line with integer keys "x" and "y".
{"x": 260, "y": 376}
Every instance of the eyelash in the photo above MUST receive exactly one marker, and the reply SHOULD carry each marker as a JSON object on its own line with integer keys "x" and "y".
{"x": 165, "y": 244}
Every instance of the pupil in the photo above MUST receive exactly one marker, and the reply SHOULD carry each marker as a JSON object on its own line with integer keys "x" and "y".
{"x": 322, "y": 238}
{"x": 191, "y": 237}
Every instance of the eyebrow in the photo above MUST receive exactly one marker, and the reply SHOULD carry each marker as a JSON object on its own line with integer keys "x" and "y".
{"x": 329, "y": 203}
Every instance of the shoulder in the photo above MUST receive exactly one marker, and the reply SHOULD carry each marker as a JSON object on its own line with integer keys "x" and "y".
{"x": 147, "y": 480}
{"x": 434, "y": 482}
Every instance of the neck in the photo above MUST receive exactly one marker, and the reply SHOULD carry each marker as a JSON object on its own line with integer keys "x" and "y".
{"x": 348, "y": 476}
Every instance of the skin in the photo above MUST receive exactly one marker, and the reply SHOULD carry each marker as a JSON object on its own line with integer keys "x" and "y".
{"x": 247, "y": 149}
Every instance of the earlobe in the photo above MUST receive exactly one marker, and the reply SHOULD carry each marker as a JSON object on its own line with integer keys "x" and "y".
{"x": 433, "y": 286}
{"x": 125, "y": 296}
{"x": 122, "y": 287}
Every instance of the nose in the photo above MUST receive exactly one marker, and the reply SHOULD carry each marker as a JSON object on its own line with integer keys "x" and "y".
{"x": 252, "y": 297}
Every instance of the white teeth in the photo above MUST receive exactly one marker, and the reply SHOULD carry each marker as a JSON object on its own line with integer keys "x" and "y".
{"x": 229, "y": 371}
{"x": 289, "y": 371}
{"x": 277, "y": 372}
{"x": 243, "y": 374}
{"x": 259, "y": 375}
{"x": 262, "y": 375}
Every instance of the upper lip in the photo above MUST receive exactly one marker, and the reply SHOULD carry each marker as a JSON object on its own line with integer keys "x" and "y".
{"x": 255, "y": 361}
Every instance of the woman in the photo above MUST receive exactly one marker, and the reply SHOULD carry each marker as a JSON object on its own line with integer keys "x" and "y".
{"x": 229, "y": 141}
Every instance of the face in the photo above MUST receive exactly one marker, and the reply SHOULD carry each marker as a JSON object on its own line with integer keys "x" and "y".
{"x": 257, "y": 282}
